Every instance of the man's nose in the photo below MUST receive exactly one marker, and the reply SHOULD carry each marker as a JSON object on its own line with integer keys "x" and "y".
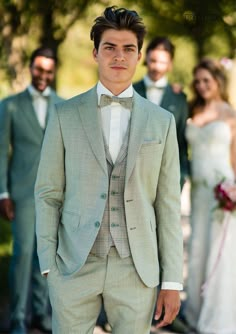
{"x": 119, "y": 55}
{"x": 43, "y": 74}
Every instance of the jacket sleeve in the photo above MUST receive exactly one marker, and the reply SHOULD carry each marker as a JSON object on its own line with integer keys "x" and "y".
{"x": 49, "y": 192}
{"x": 5, "y": 141}
{"x": 167, "y": 208}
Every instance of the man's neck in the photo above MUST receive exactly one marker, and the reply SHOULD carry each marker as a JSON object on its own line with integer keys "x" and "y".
{"x": 116, "y": 89}
{"x": 161, "y": 77}
{"x": 45, "y": 92}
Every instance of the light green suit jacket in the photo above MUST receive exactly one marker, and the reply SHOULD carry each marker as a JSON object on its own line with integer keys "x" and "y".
{"x": 175, "y": 103}
{"x": 72, "y": 186}
{"x": 20, "y": 130}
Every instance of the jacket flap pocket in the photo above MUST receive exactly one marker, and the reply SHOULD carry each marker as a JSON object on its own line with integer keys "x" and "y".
{"x": 70, "y": 219}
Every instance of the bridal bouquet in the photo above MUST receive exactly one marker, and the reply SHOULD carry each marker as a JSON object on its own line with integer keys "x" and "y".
{"x": 225, "y": 194}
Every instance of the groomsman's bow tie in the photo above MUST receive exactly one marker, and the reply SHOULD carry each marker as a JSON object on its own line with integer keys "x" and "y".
{"x": 126, "y": 102}
{"x": 35, "y": 93}
{"x": 157, "y": 86}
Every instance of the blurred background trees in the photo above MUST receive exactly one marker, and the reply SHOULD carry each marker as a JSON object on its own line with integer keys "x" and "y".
{"x": 198, "y": 28}
{"x": 28, "y": 24}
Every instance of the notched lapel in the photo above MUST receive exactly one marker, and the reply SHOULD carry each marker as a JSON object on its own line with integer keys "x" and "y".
{"x": 88, "y": 110}
{"x": 138, "y": 124}
{"x": 26, "y": 106}
{"x": 51, "y": 106}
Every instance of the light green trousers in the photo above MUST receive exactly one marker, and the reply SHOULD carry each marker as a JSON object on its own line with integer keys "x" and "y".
{"x": 76, "y": 300}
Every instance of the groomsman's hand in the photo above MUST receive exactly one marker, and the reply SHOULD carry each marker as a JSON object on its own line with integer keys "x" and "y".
{"x": 7, "y": 209}
{"x": 168, "y": 305}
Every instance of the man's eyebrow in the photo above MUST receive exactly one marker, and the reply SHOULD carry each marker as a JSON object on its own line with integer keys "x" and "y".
{"x": 125, "y": 45}
{"x": 130, "y": 46}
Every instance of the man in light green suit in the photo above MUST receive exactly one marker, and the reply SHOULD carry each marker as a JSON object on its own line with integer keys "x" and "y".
{"x": 108, "y": 196}
{"x": 22, "y": 121}
{"x": 155, "y": 87}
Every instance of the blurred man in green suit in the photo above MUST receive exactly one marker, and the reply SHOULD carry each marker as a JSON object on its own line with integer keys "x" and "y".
{"x": 108, "y": 196}
{"x": 23, "y": 119}
{"x": 155, "y": 87}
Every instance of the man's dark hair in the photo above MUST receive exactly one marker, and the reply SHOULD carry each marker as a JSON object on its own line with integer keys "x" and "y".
{"x": 43, "y": 52}
{"x": 118, "y": 19}
{"x": 161, "y": 43}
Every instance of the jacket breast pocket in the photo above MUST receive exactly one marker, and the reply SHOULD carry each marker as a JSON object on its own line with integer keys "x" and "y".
{"x": 150, "y": 146}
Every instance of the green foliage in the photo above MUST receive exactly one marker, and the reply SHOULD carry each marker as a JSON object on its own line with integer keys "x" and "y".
{"x": 197, "y": 21}
{"x": 197, "y": 28}
{"x": 28, "y": 24}
{"x": 5, "y": 237}
{"x": 5, "y": 254}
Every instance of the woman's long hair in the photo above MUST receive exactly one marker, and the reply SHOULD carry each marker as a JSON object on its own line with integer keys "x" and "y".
{"x": 217, "y": 72}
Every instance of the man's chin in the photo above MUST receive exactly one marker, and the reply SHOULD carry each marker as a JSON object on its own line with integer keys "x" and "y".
{"x": 41, "y": 88}
{"x": 155, "y": 77}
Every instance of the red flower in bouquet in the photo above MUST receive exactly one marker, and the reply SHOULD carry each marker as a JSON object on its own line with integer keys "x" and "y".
{"x": 225, "y": 193}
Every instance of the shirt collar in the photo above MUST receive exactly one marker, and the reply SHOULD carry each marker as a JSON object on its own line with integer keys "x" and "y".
{"x": 161, "y": 83}
{"x": 34, "y": 92}
{"x": 101, "y": 89}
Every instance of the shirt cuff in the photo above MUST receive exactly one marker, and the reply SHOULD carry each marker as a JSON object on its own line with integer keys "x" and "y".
{"x": 4, "y": 195}
{"x": 171, "y": 286}
{"x": 45, "y": 272}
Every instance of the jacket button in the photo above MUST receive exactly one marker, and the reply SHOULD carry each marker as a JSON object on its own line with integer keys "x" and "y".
{"x": 103, "y": 196}
{"x": 114, "y": 225}
{"x": 114, "y": 177}
{"x": 97, "y": 224}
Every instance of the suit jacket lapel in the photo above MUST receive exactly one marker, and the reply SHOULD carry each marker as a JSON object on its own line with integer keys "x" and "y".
{"x": 50, "y": 107}
{"x": 166, "y": 97}
{"x": 88, "y": 110}
{"x": 29, "y": 112}
{"x": 139, "y": 119}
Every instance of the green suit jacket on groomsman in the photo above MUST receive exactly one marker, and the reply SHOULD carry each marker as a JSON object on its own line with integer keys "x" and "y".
{"x": 175, "y": 103}
{"x": 20, "y": 130}
{"x": 21, "y": 137}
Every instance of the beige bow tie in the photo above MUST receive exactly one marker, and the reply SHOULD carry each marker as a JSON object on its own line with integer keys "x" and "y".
{"x": 159, "y": 87}
{"x": 126, "y": 102}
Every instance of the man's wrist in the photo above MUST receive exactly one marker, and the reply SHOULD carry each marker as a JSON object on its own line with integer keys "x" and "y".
{"x": 45, "y": 272}
{"x": 4, "y": 195}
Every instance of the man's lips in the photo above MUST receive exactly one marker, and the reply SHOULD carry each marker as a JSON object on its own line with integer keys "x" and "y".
{"x": 118, "y": 67}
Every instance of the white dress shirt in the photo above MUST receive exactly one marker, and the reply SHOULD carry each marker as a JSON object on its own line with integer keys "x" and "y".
{"x": 115, "y": 120}
{"x": 155, "y": 89}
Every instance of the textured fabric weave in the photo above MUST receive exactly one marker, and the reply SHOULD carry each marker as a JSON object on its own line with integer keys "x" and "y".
{"x": 113, "y": 231}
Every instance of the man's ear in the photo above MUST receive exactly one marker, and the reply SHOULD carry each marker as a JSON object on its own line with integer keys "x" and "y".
{"x": 139, "y": 55}
{"x": 95, "y": 53}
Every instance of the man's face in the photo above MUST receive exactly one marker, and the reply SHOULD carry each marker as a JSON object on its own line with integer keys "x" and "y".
{"x": 117, "y": 58}
{"x": 42, "y": 72}
{"x": 159, "y": 62}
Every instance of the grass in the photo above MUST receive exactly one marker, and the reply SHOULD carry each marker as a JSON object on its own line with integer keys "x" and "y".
{"x": 5, "y": 254}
